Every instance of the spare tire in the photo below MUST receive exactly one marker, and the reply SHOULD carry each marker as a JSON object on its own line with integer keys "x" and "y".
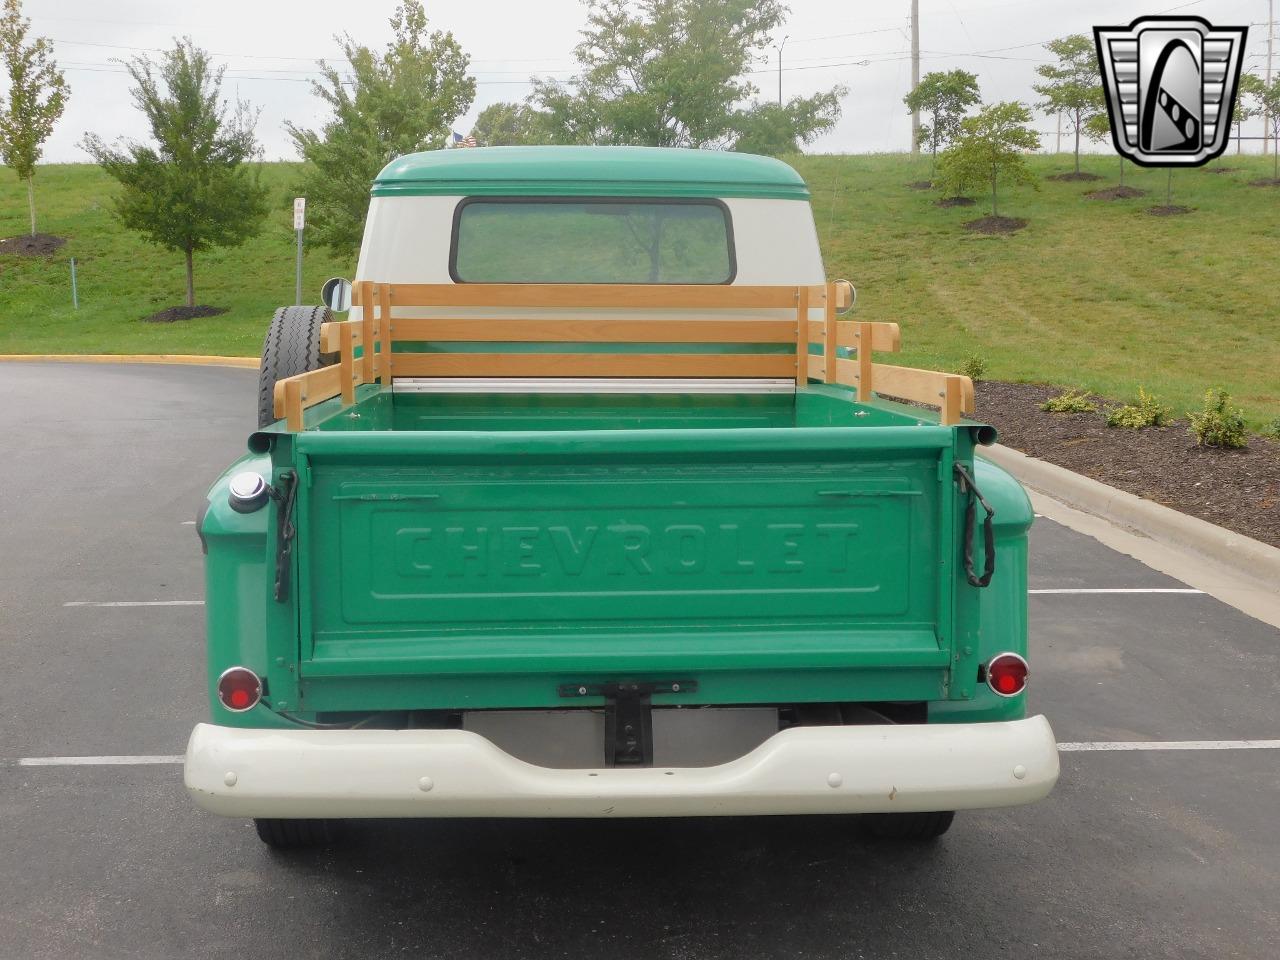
{"x": 292, "y": 346}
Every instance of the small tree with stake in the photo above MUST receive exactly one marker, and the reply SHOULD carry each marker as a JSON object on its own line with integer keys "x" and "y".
{"x": 192, "y": 190}
{"x": 1266, "y": 99}
{"x": 945, "y": 97}
{"x": 1098, "y": 129}
{"x": 989, "y": 149}
{"x": 37, "y": 96}
{"x": 1072, "y": 86}
{"x": 1248, "y": 103}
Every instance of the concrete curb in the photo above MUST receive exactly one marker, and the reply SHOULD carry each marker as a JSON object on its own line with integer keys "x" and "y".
{"x": 1249, "y": 558}
{"x": 248, "y": 363}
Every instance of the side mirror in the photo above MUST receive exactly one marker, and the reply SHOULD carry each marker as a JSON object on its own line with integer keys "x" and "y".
{"x": 336, "y": 294}
{"x": 846, "y": 296}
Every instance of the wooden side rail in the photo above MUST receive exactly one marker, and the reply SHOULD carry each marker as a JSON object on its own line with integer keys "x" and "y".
{"x": 951, "y": 393}
{"x": 372, "y": 334}
{"x": 377, "y": 331}
{"x": 593, "y": 330}
{"x": 593, "y": 365}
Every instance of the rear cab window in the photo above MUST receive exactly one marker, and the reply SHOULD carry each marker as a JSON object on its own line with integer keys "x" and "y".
{"x": 590, "y": 240}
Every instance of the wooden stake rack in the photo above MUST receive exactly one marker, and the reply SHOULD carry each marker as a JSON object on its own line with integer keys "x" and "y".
{"x": 709, "y": 315}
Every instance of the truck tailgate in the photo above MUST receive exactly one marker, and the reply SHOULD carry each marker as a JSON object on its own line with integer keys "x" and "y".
{"x": 545, "y": 557}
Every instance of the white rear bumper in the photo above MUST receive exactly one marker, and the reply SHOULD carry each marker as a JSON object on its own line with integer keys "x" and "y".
{"x": 455, "y": 773}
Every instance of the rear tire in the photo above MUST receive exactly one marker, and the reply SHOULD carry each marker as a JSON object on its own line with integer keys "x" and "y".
{"x": 292, "y": 346}
{"x": 296, "y": 834}
{"x": 908, "y": 826}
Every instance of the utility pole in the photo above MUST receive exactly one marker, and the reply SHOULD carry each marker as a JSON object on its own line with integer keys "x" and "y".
{"x": 778, "y": 47}
{"x": 1271, "y": 33}
{"x": 915, "y": 74}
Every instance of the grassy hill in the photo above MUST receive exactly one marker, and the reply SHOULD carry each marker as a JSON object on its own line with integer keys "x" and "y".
{"x": 122, "y": 279}
{"x": 1098, "y": 294}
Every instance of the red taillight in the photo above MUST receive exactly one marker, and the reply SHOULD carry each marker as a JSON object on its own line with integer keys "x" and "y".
{"x": 1007, "y": 674}
{"x": 239, "y": 689}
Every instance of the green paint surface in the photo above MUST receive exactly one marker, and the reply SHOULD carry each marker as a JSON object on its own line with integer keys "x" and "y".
{"x": 589, "y": 171}
{"x": 477, "y": 552}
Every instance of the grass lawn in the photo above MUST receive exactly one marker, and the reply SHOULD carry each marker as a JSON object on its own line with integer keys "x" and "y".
{"x": 1097, "y": 294}
{"x": 122, "y": 278}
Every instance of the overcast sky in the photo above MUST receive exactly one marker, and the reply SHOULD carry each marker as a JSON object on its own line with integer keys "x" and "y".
{"x": 270, "y": 47}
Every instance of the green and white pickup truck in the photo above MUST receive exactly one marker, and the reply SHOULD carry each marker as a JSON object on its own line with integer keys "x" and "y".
{"x": 596, "y": 506}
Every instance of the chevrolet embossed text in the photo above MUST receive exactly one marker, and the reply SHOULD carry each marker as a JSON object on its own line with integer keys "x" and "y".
{"x": 622, "y": 549}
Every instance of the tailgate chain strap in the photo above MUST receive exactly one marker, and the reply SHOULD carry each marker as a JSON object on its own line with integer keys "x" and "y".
{"x": 965, "y": 479}
{"x": 285, "y": 530}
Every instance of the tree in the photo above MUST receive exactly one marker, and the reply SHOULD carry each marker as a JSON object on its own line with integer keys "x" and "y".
{"x": 37, "y": 96}
{"x": 1265, "y": 101}
{"x": 192, "y": 190}
{"x": 673, "y": 73}
{"x": 989, "y": 148}
{"x": 1248, "y": 103}
{"x": 510, "y": 124}
{"x": 1074, "y": 85}
{"x": 776, "y": 131}
{"x": 945, "y": 97}
{"x": 400, "y": 101}
{"x": 1098, "y": 129}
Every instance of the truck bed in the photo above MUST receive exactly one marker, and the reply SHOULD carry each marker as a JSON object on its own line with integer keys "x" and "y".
{"x": 473, "y": 550}
{"x": 417, "y": 410}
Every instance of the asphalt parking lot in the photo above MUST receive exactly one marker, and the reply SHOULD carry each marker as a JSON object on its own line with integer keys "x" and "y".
{"x": 1138, "y": 853}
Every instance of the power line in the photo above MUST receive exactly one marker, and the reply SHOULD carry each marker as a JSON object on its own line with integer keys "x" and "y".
{"x": 347, "y": 78}
{"x": 841, "y": 36}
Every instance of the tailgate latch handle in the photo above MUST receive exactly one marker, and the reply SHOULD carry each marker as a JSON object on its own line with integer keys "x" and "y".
{"x": 965, "y": 479}
{"x": 285, "y": 495}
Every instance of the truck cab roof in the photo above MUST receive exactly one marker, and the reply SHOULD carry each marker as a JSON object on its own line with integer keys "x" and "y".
{"x": 589, "y": 171}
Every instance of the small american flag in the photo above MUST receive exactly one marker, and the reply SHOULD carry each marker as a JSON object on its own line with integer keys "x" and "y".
{"x": 460, "y": 141}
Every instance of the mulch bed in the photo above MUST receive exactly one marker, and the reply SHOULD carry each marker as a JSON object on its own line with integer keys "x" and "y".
{"x": 1074, "y": 177}
{"x": 955, "y": 202}
{"x": 996, "y": 225}
{"x": 172, "y": 314}
{"x": 32, "y": 245}
{"x": 1236, "y": 489}
{"x": 921, "y": 185}
{"x": 1267, "y": 182}
{"x": 1168, "y": 211}
{"x": 1115, "y": 193}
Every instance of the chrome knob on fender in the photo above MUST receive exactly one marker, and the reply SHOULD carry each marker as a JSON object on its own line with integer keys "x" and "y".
{"x": 248, "y": 492}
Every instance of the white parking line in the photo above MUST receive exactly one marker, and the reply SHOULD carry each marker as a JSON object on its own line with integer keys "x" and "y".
{"x": 97, "y": 761}
{"x": 1095, "y": 746}
{"x": 1118, "y": 590}
{"x": 1107, "y": 745}
{"x": 134, "y": 603}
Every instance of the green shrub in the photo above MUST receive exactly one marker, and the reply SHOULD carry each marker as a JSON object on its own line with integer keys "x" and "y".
{"x": 1219, "y": 424}
{"x": 974, "y": 367}
{"x": 1073, "y": 401}
{"x": 1272, "y": 429}
{"x": 1146, "y": 411}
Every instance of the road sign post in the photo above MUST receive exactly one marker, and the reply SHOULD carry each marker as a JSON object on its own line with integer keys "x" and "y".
{"x": 299, "y": 222}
